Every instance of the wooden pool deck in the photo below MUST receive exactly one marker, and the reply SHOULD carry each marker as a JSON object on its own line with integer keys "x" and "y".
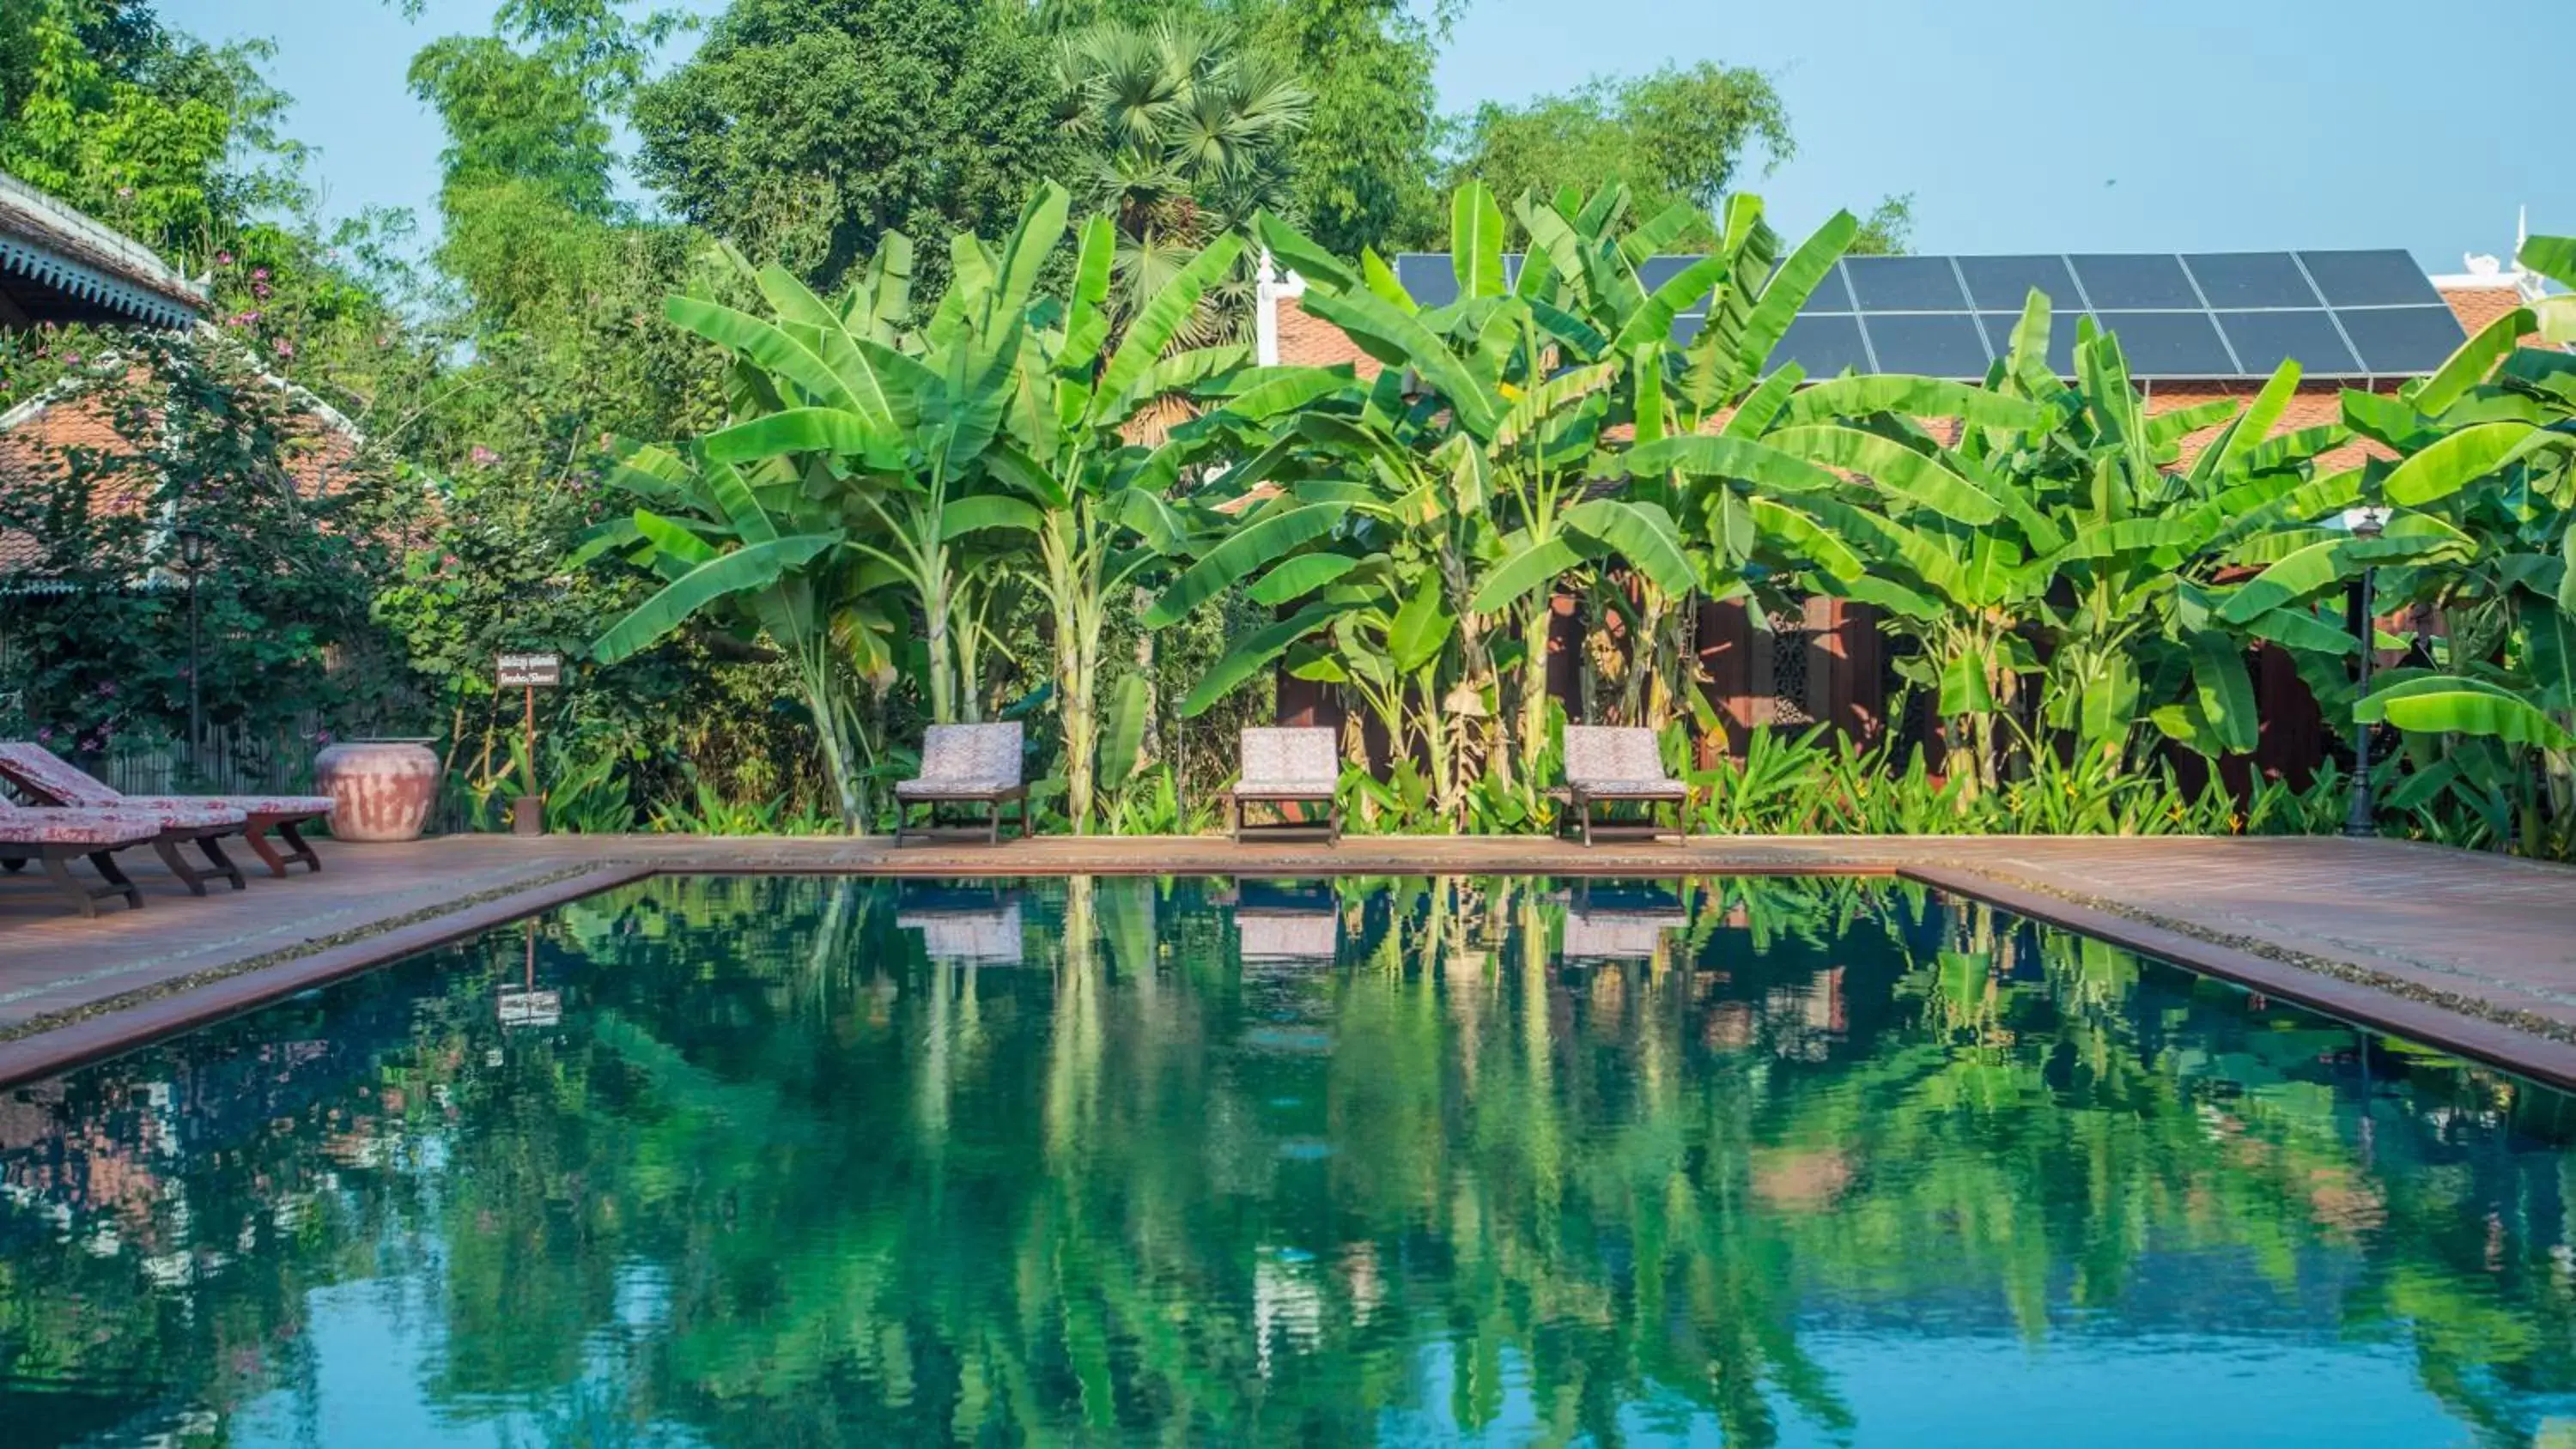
{"x": 2472, "y": 953}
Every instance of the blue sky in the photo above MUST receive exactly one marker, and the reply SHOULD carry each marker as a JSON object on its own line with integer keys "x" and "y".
{"x": 2018, "y": 125}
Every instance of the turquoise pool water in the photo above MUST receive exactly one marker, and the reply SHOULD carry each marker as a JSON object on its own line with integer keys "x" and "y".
{"x": 842, "y": 1162}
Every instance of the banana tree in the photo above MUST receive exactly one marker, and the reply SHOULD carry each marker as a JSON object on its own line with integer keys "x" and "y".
{"x": 1490, "y": 437}
{"x": 835, "y": 393}
{"x": 2053, "y": 567}
{"x": 756, "y": 552}
{"x": 1077, "y": 478}
{"x": 2484, "y": 483}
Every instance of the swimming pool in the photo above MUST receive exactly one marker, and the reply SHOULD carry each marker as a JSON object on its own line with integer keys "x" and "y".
{"x": 774, "y": 1161}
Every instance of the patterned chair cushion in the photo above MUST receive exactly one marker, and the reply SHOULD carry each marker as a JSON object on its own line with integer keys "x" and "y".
{"x": 983, "y": 937}
{"x": 39, "y": 771}
{"x": 179, "y": 812}
{"x": 1601, "y": 757}
{"x": 299, "y": 805}
{"x": 1633, "y": 789}
{"x": 1296, "y": 763}
{"x": 24, "y": 825}
{"x": 976, "y": 759}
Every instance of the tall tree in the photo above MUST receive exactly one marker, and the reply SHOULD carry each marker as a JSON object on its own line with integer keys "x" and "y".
{"x": 1673, "y": 136}
{"x": 806, "y": 130}
{"x": 168, "y": 138}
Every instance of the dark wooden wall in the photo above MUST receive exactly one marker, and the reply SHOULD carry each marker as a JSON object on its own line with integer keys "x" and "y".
{"x": 1826, "y": 662}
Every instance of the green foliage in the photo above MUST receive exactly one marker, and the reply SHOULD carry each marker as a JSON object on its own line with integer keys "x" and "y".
{"x": 99, "y": 644}
{"x": 806, "y": 131}
{"x": 1675, "y": 136}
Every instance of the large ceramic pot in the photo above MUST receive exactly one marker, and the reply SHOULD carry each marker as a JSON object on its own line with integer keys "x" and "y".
{"x": 379, "y": 789}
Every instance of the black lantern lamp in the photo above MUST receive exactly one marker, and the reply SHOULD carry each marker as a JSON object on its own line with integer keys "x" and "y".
{"x": 192, "y": 562}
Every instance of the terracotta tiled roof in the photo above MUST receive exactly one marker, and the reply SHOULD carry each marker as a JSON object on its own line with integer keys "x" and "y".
{"x": 36, "y": 435}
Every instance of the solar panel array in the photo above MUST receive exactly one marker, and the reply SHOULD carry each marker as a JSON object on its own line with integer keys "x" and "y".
{"x": 2201, "y": 316}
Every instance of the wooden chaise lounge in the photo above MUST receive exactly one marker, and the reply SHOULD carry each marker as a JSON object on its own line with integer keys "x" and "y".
{"x": 49, "y": 777}
{"x": 1608, "y": 764}
{"x": 964, "y": 764}
{"x": 54, "y": 838}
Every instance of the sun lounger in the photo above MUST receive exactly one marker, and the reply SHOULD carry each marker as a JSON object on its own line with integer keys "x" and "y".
{"x": 54, "y": 838}
{"x": 1614, "y": 764}
{"x": 54, "y": 780}
{"x": 966, "y": 763}
{"x": 1289, "y": 767}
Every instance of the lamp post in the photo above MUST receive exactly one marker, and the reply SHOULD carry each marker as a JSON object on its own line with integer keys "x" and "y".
{"x": 192, "y": 562}
{"x": 2358, "y": 819}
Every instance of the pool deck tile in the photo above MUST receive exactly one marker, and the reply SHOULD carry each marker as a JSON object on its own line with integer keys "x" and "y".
{"x": 2474, "y": 953}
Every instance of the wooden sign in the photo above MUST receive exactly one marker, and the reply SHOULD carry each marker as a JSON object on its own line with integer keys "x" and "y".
{"x": 531, "y": 671}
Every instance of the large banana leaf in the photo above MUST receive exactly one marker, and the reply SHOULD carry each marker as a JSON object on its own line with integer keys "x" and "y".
{"x": 837, "y": 431}
{"x": 1160, "y": 320}
{"x": 2462, "y": 458}
{"x": 767, "y": 345}
{"x": 1292, "y": 249}
{"x": 1401, "y": 341}
{"x": 1122, "y": 743}
{"x": 1686, "y": 289}
{"x": 1297, "y": 577}
{"x": 2225, "y": 691}
{"x": 2451, "y": 704}
{"x": 1252, "y": 653}
{"x": 1702, "y": 455}
{"x": 1892, "y": 466}
{"x": 1911, "y": 397}
{"x": 1239, "y": 555}
{"x": 755, "y": 567}
{"x": 1643, "y": 534}
{"x": 1476, "y": 241}
{"x": 1526, "y": 568}
{"x": 1421, "y": 627}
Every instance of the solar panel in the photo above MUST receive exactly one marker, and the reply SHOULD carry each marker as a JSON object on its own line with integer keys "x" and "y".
{"x": 2207, "y": 315}
{"x": 2400, "y": 340}
{"x": 2251, "y": 279}
{"x": 1904, "y": 284}
{"x": 2003, "y": 284}
{"x": 1824, "y": 346}
{"x": 1653, "y": 272}
{"x": 2061, "y": 338}
{"x": 2264, "y": 340}
{"x": 2370, "y": 279}
{"x": 1831, "y": 294}
{"x": 2125, "y": 283}
{"x": 2171, "y": 344}
{"x": 1933, "y": 344}
{"x": 1427, "y": 278}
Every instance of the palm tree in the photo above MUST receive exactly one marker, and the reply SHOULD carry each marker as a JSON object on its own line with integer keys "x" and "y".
{"x": 1194, "y": 136}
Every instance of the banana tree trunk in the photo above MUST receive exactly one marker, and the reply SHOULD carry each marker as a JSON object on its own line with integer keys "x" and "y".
{"x": 1532, "y": 701}
{"x": 837, "y": 764}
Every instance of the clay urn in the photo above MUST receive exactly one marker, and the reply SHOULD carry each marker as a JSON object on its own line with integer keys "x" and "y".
{"x": 380, "y": 789}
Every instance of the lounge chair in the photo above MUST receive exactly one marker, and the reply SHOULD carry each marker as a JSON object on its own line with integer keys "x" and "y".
{"x": 1619, "y": 924}
{"x": 961, "y": 925}
{"x": 1301, "y": 766}
{"x": 965, "y": 764}
{"x": 54, "y": 837}
{"x": 1613, "y": 764}
{"x": 1284, "y": 925}
{"x": 54, "y": 780}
